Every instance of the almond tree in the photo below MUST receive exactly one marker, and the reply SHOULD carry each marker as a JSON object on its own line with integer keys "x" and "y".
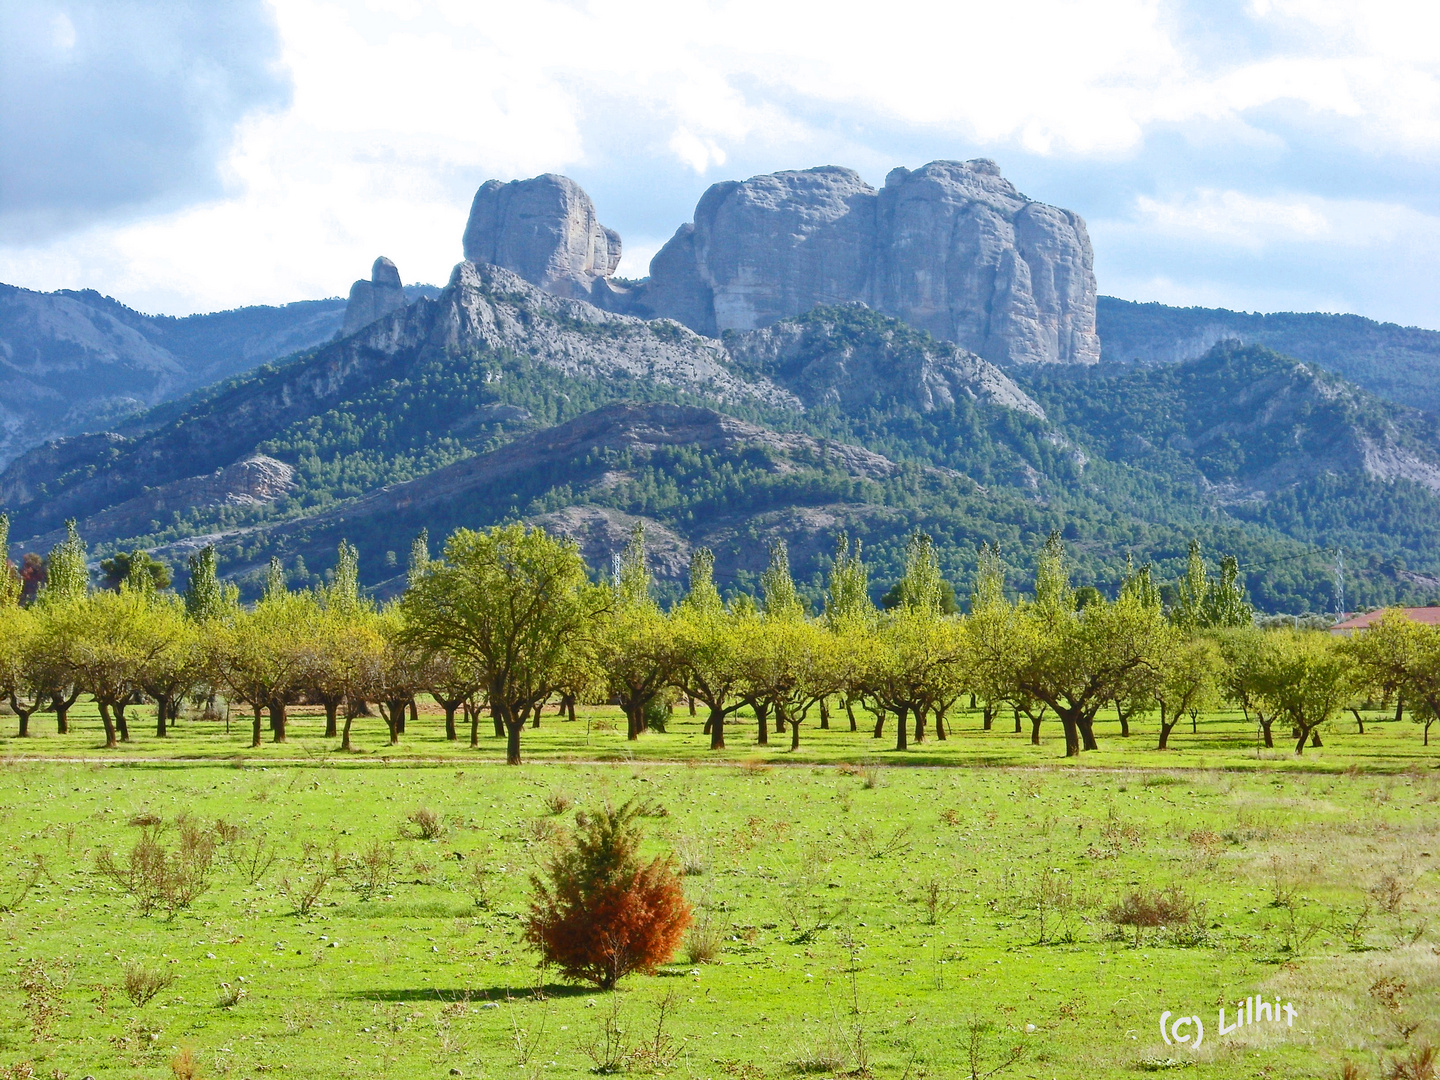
{"x": 1184, "y": 680}
{"x": 262, "y": 655}
{"x": 113, "y": 636}
{"x": 635, "y": 648}
{"x": 1306, "y": 678}
{"x": 514, "y": 602}
{"x": 707, "y": 648}
{"x": 18, "y": 684}
{"x": 1076, "y": 662}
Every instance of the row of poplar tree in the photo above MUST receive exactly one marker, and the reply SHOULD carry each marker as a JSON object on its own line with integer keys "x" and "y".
{"x": 510, "y": 619}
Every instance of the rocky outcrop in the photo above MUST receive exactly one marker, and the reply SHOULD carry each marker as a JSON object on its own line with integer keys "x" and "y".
{"x": 29, "y": 474}
{"x": 952, "y": 248}
{"x": 545, "y": 230}
{"x": 373, "y": 299}
{"x": 254, "y": 480}
{"x": 851, "y": 357}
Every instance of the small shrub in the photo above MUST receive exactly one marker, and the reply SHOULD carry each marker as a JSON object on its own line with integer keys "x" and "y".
{"x": 156, "y": 877}
{"x": 702, "y": 944}
{"x": 142, "y": 983}
{"x": 229, "y": 996}
{"x": 602, "y": 913}
{"x": 693, "y": 856}
{"x": 1419, "y": 1064}
{"x": 372, "y": 869}
{"x": 657, "y": 715}
{"x": 870, "y": 776}
{"x": 145, "y": 819}
{"x": 252, "y": 856}
{"x": 558, "y": 802}
{"x": 1390, "y": 892}
{"x": 1170, "y": 908}
{"x": 183, "y": 1065}
{"x": 428, "y": 824}
{"x": 477, "y": 881}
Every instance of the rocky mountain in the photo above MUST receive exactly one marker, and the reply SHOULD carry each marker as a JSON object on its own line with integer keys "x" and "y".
{"x": 1399, "y": 363}
{"x": 951, "y": 248}
{"x": 373, "y": 299}
{"x": 76, "y": 361}
{"x": 544, "y": 229}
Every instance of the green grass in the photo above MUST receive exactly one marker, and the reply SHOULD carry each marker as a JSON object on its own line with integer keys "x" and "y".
{"x": 418, "y": 979}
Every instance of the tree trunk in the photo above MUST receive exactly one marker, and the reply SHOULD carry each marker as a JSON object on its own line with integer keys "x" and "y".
{"x": 1124, "y": 718}
{"x": 794, "y": 735}
{"x": 450, "y": 705}
{"x": 512, "y": 744}
{"x": 1086, "y": 725}
{"x": 1300, "y": 742}
{"x": 988, "y": 717}
{"x": 394, "y": 713}
{"x": 1035, "y": 727}
{"x": 499, "y": 723}
{"x": 473, "y": 710}
{"x": 919, "y": 712}
{"x": 762, "y": 727}
{"x": 277, "y": 720}
{"x": 109, "y": 725}
{"x": 162, "y": 709}
{"x": 1166, "y": 726}
{"x": 1017, "y": 720}
{"x": 824, "y": 715}
{"x": 1399, "y": 708}
{"x": 23, "y": 715}
{"x": 850, "y": 712}
{"x": 1426, "y": 741}
{"x": 690, "y": 701}
{"x": 716, "y": 723}
{"x": 1072, "y": 735}
{"x": 345, "y": 739}
{"x": 121, "y": 722}
{"x": 1265, "y": 727}
{"x": 332, "y": 711}
{"x": 255, "y": 731}
{"x": 902, "y": 729}
{"x": 62, "y": 711}
{"x": 779, "y": 723}
{"x": 1315, "y": 737}
{"x": 940, "y": 732}
{"x": 1359, "y": 721}
{"x": 570, "y": 707}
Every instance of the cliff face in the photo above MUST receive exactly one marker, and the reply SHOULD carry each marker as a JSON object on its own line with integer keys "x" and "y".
{"x": 952, "y": 248}
{"x": 375, "y": 298}
{"x": 545, "y": 230}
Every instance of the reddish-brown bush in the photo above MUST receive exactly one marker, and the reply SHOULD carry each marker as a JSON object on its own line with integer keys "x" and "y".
{"x": 602, "y": 913}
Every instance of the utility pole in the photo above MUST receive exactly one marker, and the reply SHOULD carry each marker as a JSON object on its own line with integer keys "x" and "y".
{"x": 1339, "y": 584}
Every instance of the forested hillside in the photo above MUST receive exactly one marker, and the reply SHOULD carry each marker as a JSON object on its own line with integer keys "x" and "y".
{"x": 1399, "y": 363}
{"x": 498, "y": 401}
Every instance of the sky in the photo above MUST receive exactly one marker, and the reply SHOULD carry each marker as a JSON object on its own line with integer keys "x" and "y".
{"x": 1262, "y": 155}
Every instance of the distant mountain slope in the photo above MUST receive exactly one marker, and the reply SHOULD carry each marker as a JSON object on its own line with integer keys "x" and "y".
{"x": 1399, "y": 363}
{"x": 74, "y": 360}
{"x": 498, "y": 400}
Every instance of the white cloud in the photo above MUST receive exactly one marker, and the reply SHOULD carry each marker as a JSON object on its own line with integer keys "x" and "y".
{"x": 400, "y": 108}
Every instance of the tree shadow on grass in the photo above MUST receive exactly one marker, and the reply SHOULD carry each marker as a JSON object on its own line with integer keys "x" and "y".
{"x": 472, "y": 993}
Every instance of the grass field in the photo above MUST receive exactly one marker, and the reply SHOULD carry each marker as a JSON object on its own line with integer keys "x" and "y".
{"x": 864, "y": 911}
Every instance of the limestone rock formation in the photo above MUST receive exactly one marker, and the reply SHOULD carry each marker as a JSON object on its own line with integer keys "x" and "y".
{"x": 545, "y": 230}
{"x": 373, "y": 299}
{"x": 851, "y": 357}
{"x": 952, "y": 248}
